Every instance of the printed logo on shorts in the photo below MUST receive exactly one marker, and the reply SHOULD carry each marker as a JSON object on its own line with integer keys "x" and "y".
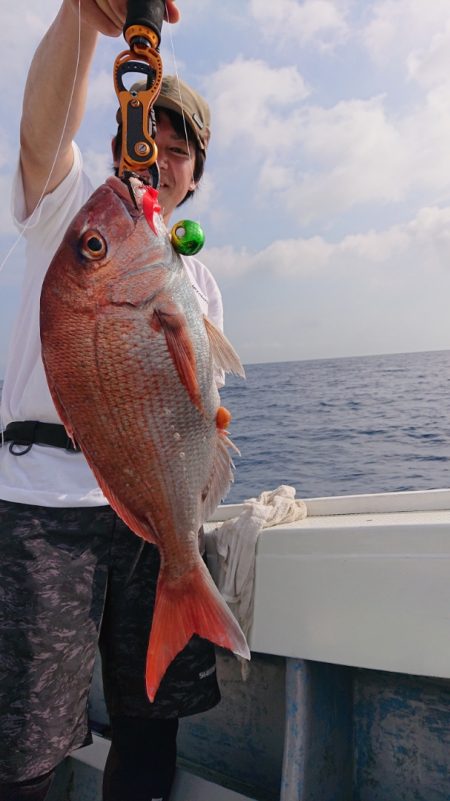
{"x": 205, "y": 673}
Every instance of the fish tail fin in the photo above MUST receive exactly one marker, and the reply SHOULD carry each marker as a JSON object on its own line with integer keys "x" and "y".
{"x": 195, "y": 607}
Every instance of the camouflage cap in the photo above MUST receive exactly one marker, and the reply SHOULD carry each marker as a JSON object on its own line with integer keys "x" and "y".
{"x": 175, "y": 95}
{"x": 178, "y": 96}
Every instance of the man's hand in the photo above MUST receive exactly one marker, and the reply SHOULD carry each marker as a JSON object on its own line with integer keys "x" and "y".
{"x": 108, "y": 16}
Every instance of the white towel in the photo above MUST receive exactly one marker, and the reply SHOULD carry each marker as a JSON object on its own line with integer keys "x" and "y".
{"x": 235, "y": 543}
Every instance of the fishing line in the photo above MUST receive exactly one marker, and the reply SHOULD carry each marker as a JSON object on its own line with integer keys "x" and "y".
{"x": 175, "y": 67}
{"x": 58, "y": 149}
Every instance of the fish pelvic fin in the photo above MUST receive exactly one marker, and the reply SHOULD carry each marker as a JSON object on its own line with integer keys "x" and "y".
{"x": 173, "y": 324}
{"x": 192, "y": 606}
{"x": 223, "y": 354}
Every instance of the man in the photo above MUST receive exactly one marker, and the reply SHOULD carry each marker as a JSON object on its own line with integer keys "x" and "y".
{"x": 71, "y": 573}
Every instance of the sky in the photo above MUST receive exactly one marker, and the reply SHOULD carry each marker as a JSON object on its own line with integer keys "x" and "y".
{"x": 326, "y": 199}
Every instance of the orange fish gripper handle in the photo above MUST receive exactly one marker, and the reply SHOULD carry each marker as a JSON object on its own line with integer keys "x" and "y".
{"x": 142, "y": 63}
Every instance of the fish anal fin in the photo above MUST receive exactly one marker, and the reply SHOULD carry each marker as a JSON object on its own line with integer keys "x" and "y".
{"x": 223, "y": 353}
{"x": 221, "y": 476}
{"x": 172, "y": 322}
{"x": 192, "y": 606}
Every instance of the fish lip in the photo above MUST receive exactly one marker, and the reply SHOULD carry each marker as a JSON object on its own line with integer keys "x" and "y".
{"x": 130, "y": 194}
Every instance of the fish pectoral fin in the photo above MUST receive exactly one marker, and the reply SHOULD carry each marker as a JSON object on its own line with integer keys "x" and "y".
{"x": 221, "y": 476}
{"x": 191, "y": 606}
{"x": 172, "y": 323}
{"x": 223, "y": 354}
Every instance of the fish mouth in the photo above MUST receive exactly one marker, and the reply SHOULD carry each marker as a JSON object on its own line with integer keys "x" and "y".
{"x": 130, "y": 191}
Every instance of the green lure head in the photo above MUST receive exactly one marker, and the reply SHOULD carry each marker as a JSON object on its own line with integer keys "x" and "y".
{"x": 187, "y": 237}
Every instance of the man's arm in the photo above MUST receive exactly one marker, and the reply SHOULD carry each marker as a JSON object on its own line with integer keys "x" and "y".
{"x": 49, "y": 86}
{"x": 46, "y": 100}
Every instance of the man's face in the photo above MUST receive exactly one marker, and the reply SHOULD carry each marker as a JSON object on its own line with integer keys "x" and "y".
{"x": 176, "y": 162}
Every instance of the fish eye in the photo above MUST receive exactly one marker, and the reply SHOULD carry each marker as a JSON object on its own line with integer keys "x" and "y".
{"x": 93, "y": 245}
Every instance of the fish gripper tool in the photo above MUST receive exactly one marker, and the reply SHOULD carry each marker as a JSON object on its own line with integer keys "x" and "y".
{"x": 137, "y": 81}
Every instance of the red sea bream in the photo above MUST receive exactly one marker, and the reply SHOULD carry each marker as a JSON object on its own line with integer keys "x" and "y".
{"x": 130, "y": 362}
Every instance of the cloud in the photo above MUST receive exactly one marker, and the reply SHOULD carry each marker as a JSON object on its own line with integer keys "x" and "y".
{"x": 318, "y": 22}
{"x": 429, "y": 66}
{"x": 250, "y": 101}
{"x": 98, "y": 165}
{"x": 374, "y": 292}
{"x": 351, "y": 154}
{"x": 326, "y": 160}
{"x": 415, "y": 35}
{"x": 101, "y": 94}
{"x": 203, "y": 199}
{"x": 398, "y": 27}
{"x": 322, "y": 161}
{"x": 319, "y": 161}
{"x": 23, "y": 25}
{"x": 420, "y": 246}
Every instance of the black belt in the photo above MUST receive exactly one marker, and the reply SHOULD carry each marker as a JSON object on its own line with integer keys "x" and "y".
{"x": 27, "y": 433}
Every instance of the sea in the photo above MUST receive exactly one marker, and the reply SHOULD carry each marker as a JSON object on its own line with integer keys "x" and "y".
{"x": 341, "y": 426}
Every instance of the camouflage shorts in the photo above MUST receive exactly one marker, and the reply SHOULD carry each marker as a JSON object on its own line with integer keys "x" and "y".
{"x": 70, "y": 578}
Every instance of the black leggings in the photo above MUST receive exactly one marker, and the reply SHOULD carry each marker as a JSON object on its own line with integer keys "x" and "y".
{"x": 141, "y": 761}
{"x": 140, "y": 765}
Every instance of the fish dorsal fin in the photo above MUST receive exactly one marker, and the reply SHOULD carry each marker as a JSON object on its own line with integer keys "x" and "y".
{"x": 223, "y": 353}
{"x": 172, "y": 322}
{"x": 221, "y": 476}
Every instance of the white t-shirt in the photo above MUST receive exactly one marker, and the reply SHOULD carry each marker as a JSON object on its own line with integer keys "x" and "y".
{"x": 48, "y": 476}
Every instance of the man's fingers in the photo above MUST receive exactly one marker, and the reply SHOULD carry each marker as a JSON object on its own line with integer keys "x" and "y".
{"x": 172, "y": 13}
{"x": 108, "y": 16}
